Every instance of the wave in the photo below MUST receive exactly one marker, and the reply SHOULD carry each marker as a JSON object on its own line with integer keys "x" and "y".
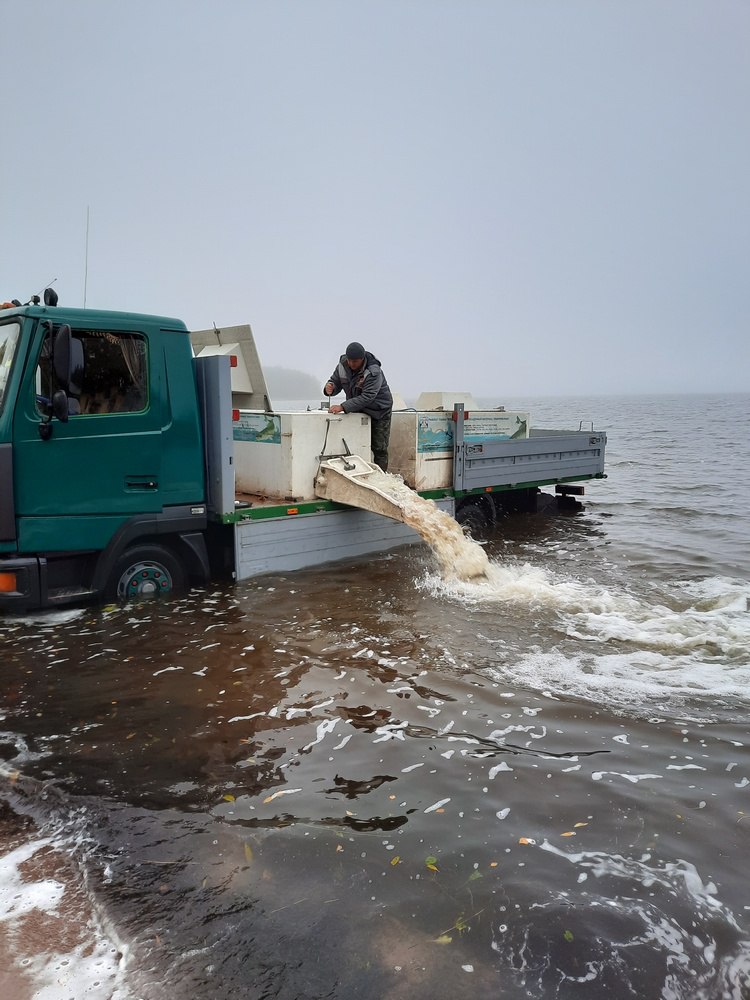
{"x": 641, "y": 928}
{"x": 687, "y": 646}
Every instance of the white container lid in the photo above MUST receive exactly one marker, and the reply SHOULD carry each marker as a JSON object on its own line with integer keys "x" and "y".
{"x": 445, "y": 401}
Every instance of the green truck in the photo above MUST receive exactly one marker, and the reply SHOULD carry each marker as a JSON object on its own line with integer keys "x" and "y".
{"x": 117, "y": 469}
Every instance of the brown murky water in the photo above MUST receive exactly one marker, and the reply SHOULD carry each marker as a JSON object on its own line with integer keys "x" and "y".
{"x": 368, "y": 781}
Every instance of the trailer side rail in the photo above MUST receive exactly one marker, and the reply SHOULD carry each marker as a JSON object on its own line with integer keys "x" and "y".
{"x": 563, "y": 456}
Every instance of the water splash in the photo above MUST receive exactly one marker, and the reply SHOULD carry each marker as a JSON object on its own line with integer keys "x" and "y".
{"x": 638, "y": 652}
{"x": 459, "y": 557}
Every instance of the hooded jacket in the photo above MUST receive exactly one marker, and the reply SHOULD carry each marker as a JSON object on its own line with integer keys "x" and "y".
{"x": 366, "y": 391}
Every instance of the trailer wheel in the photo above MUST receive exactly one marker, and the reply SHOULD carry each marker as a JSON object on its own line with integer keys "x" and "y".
{"x": 477, "y": 515}
{"x": 145, "y": 571}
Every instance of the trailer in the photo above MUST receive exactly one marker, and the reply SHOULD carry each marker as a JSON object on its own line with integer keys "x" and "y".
{"x": 138, "y": 458}
{"x": 466, "y": 461}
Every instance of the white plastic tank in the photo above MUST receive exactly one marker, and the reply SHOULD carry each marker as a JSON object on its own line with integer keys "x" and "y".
{"x": 421, "y": 447}
{"x": 276, "y": 455}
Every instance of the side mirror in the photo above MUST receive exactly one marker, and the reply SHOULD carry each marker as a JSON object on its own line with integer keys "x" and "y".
{"x": 50, "y": 297}
{"x": 61, "y": 355}
{"x": 60, "y": 405}
{"x": 59, "y": 409}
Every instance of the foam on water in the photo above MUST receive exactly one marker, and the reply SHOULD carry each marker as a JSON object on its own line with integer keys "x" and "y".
{"x": 644, "y": 685}
{"x": 57, "y": 617}
{"x": 691, "y": 643}
{"x": 689, "y": 942}
{"x": 56, "y": 939}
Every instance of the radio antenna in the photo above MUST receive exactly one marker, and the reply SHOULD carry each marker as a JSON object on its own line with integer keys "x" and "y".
{"x": 86, "y": 260}
{"x": 48, "y": 285}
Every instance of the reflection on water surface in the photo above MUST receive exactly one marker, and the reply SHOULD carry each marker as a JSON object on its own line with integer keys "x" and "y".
{"x": 365, "y": 782}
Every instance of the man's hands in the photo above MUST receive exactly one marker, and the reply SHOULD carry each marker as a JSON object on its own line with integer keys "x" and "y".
{"x": 330, "y": 390}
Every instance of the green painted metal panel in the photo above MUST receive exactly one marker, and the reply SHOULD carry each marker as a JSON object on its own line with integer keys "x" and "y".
{"x": 61, "y": 533}
{"x": 97, "y": 469}
{"x": 182, "y": 463}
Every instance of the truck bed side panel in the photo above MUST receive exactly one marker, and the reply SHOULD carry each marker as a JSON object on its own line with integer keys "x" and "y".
{"x": 278, "y": 545}
{"x": 549, "y": 458}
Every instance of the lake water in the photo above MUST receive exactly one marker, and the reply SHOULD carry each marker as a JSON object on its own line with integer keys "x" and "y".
{"x": 365, "y": 781}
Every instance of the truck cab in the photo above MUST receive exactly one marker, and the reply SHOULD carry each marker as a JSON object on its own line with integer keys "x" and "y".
{"x": 102, "y": 481}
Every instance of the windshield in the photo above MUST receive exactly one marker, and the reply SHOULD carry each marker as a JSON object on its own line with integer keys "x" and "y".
{"x": 8, "y": 340}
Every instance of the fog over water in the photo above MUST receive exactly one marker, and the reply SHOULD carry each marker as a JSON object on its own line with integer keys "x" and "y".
{"x": 513, "y": 197}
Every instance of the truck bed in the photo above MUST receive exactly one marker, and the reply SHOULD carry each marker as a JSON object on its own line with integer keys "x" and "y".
{"x": 283, "y": 534}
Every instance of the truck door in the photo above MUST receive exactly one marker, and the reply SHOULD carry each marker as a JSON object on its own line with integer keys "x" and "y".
{"x": 102, "y": 466}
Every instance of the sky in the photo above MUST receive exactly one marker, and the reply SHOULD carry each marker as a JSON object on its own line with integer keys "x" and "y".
{"x": 502, "y": 197}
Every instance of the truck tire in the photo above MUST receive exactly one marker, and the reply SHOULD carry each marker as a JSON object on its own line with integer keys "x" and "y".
{"x": 477, "y": 515}
{"x": 145, "y": 571}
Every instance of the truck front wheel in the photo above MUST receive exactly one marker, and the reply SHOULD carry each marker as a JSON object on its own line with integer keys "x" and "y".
{"x": 145, "y": 571}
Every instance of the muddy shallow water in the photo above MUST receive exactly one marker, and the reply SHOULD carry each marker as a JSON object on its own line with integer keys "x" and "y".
{"x": 368, "y": 782}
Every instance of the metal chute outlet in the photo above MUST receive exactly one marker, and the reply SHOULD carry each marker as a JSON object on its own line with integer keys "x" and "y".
{"x": 350, "y": 480}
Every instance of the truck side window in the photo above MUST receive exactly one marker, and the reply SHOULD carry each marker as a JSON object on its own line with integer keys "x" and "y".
{"x": 109, "y": 373}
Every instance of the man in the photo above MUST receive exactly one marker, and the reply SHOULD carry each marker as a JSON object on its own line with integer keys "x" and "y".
{"x": 359, "y": 374}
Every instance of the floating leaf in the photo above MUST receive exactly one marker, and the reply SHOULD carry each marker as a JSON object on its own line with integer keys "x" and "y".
{"x": 568, "y": 935}
{"x": 229, "y": 798}
{"x": 576, "y": 825}
{"x": 396, "y": 860}
{"x": 462, "y": 923}
{"x": 339, "y": 847}
{"x": 474, "y": 876}
{"x": 568, "y": 833}
{"x": 431, "y": 863}
{"x": 526, "y": 840}
{"x": 493, "y": 864}
{"x": 443, "y": 939}
{"x": 248, "y": 854}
